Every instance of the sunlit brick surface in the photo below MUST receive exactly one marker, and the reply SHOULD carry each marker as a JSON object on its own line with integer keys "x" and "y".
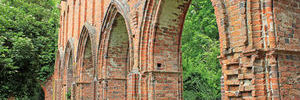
{"x": 131, "y": 50}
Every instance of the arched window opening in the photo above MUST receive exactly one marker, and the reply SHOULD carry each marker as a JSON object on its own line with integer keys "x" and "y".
{"x": 70, "y": 76}
{"x": 87, "y": 62}
{"x": 117, "y": 59}
{"x": 87, "y": 71}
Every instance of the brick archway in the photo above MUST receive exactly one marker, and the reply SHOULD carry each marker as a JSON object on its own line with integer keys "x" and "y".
{"x": 69, "y": 66}
{"x": 115, "y": 54}
{"x": 51, "y": 87}
{"x": 85, "y": 64}
{"x": 259, "y": 45}
{"x": 160, "y": 62}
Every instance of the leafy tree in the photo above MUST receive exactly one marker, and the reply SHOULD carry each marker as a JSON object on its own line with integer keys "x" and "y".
{"x": 200, "y": 48}
{"x": 28, "y": 33}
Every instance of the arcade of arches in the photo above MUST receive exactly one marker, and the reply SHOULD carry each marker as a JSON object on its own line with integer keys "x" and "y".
{"x": 130, "y": 49}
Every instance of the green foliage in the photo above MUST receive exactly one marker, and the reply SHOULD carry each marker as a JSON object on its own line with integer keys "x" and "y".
{"x": 68, "y": 95}
{"x": 28, "y": 33}
{"x": 200, "y": 48}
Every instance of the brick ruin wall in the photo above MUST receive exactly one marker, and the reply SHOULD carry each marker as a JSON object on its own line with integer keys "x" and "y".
{"x": 130, "y": 49}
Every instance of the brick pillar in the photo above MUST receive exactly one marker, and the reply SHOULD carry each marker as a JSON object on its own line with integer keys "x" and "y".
{"x": 259, "y": 45}
{"x": 132, "y": 86}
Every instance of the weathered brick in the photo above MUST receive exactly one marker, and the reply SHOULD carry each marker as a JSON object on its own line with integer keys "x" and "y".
{"x": 130, "y": 49}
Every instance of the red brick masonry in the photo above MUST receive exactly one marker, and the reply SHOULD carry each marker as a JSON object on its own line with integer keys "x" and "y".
{"x": 130, "y": 50}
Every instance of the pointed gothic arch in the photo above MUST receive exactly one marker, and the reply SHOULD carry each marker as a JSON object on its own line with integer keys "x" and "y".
{"x": 86, "y": 64}
{"x": 115, "y": 52}
{"x": 58, "y": 60}
{"x": 69, "y": 66}
{"x": 160, "y": 48}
